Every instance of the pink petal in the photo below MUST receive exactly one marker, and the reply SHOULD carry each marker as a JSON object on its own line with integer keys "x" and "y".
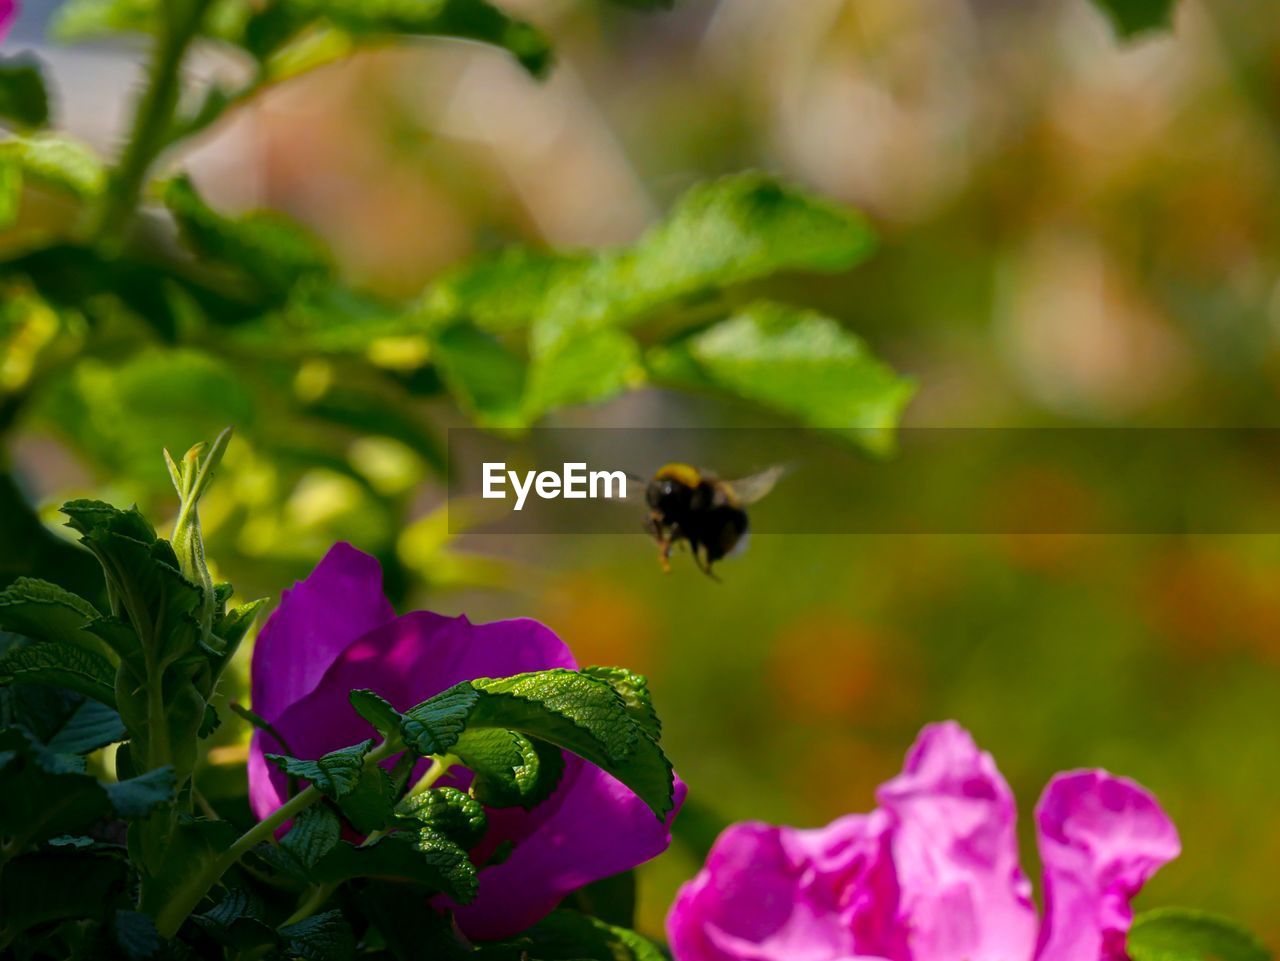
{"x": 316, "y": 621}
{"x": 8, "y": 11}
{"x": 781, "y": 894}
{"x": 955, "y": 850}
{"x": 1101, "y": 839}
{"x": 592, "y": 828}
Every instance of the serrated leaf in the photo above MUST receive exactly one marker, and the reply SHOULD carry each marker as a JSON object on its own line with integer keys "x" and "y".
{"x": 90, "y": 726}
{"x": 23, "y": 98}
{"x": 266, "y": 246}
{"x": 440, "y": 864}
{"x": 46, "y": 612}
{"x": 314, "y": 833}
{"x": 368, "y": 805}
{"x": 510, "y": 769}
{"x": 139, "y": 796}
{"x": 1178, "y": 934}
{"x": 433, "y": 726}
{"x": 65, "y": 665}
{"x": 583, "y": 715}
{"x": 448, "y": 811}
{"x": 136, "y": 936}
{"x": 634, "y": 690}
{"x": 237, "y": 921}
{"x": 580, "y": 713}
{"x": 1131, "y": 17}
{"x": 795, "y": 361}
{"x": 322, "y": 937}
{"x": 334, "y": 775}
{"x": 374, "y": 709}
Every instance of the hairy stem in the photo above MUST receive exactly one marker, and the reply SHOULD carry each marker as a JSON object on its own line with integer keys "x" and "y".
{"x": 169, "y": 919}
{"x": 152, "y": 120}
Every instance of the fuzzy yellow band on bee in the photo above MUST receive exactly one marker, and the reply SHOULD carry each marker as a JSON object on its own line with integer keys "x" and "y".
{"x": 680, "y": 473}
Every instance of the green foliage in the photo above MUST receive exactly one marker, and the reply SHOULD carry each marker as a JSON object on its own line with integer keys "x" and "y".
{"x": 1131, "y": 17}
{"x": 447, "y": 811}
{"x": 1178, "y": 934}
{"x": 794, "y": 361}
{"x": 24, "y": 101}
{"x": 335, "y": 775}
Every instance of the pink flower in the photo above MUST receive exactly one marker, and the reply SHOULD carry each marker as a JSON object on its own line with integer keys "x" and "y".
{"x": 8, "y": 11}
{"x": 933, "y": 874}
{"x": 335, "y": 632}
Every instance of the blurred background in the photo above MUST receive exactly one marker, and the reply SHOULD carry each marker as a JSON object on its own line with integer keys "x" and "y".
{"x": 1074, "y": 231}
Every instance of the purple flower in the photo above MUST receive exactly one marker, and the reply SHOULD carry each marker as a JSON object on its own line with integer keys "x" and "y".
{"x": 8, "y": 11}
{"x": 335, "y": 631}
{"x": 933, "y": 874}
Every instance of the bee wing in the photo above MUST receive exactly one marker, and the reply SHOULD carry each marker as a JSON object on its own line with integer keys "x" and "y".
{"x": 748, "y": 490}
{"x": 637, "y": 487}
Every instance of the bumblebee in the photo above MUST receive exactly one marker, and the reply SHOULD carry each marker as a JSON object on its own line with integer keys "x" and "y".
{"x": 686, "y": 504}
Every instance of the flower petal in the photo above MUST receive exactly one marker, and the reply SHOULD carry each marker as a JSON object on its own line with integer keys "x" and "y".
{"x": 1101, "y": 838}
{"x": 781, "y": 894}
{"x": 591, "y": 828}
{"x": 406, "y": 661}
{"x": 955, "y": 851}
{"x": 316, "y": 621}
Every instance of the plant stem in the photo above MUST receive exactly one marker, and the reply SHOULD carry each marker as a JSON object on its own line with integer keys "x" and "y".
{"x": 151, "y": 121}
{"x": 169, "y": 919}
{"x": 312, "y": 903}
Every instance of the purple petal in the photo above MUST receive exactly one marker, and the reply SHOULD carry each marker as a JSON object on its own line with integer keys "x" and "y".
{"x": 406, "y": 661}
{"x": 8, "y": 10}
{"x": 955, "y": 851}
{"x": 591, "y": 828}
{"x": 781, "y": 894}
{"x": 316, "y": 621}
{"x": 1101, "y": 839}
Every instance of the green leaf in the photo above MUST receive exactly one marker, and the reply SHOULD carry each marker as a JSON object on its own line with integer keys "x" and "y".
{"x": 34, "y": 889}
{"x": 90, "y": 726}
{"x": 463, "y": 19}
{"x": 433, "y": 726}
{"x": 59, "y": 161}
{"x": 23, "y": 98}
{"x": 43, "y": 797}
{"x": 121, "y": 414}
{"x": 83, "y": 19}
{"x": 369, "y": 804}
{"x": 321, "y": 937}
{"x": 448, "y": 811}
{"x": 435, "y": 862}
{"x": 1178, "y": 934}
{"x": 1131, "y": 17}
{"x": 795, "y": 361}
{"x": 571, "y": 936}
{"x": 137, "y": 936}
{"x": 45, "y": 612}
{"x": 384, "y": 718}
{"x": 237, "y": 921}
{"x": 273, "y": 250}
{"x": 576, "y": 307}
{"x": 335, "y": 775}
{"x": 139, "y": 796}
{"x": 584, "y": 715}
{"x": 66, "y": 665}
{"x": 314, "y": 833}
{"x": 510, "y": 769}
{"x": 487, "y": 379}
{"x": 634, "y": 690}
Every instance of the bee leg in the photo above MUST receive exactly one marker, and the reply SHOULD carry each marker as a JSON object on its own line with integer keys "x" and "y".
{"x": 703, "y": 561}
